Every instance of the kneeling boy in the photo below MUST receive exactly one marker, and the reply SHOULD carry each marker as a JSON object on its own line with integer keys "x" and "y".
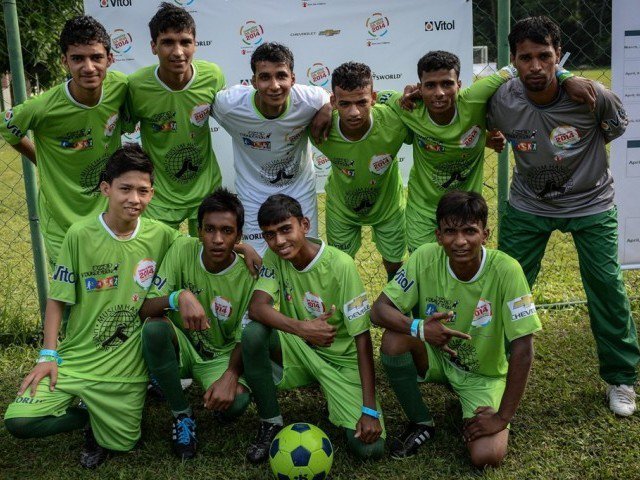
{"x": 104, "y": 269}
{"x": 311, "y": 339}
{"x": 483, "y": 296}
{"x": 206, "y": 288}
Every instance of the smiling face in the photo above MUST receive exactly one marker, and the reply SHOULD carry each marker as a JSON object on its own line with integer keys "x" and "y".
{"x": 462, "y": 242}
{"x": 87, "y": 64}
{"x": 438, "y": 90}
{"x": 354, "y": 108}
{"x": 175, "y": 51}
{"x": 219, "y": 234}
{"x": 129, "y": 194}
{"x": 273, "y": 82}
{"x": 287, "y": 238}
{"x": 536, "y": 64}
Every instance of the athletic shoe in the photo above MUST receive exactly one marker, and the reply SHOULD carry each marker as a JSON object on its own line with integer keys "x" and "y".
{"x": 92, "y": 454}
{"x": 410, "y": 440}
{"x": 622, "y": 399}
{"x": 183, "y": 436}
{"x": 154, "y": 390}
{"x": 258, "y": 451}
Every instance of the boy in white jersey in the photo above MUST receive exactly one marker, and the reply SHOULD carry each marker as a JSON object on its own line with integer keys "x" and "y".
{"x": 205, "y": 288}
{"x": 76, "y": 127}
{"x": 483, "y": 296}
{"x": 268, "y": 124}
{"x": 105, "y": 267}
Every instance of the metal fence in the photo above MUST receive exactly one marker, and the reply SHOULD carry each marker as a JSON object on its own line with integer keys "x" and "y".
{"x": 587, "y": 35}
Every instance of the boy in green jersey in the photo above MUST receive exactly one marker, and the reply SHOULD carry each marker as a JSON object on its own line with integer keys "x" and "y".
{"x": 364, "y": 186}
{"x": 172, "y": 101}
{"x": 205, "y": 288}
{"x": 319, "y": 335}
{"x": 76, "y": 127}
{"x": 105, "y": 267}
{"x": 476, "y": 305}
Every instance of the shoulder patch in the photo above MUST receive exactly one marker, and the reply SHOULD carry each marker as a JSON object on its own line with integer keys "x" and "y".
{"x": 521, "y": 307}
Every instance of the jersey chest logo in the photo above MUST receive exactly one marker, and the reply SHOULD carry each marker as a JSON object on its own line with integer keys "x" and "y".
{"x": 482, "y": 315}
{"x": 565, "y": 137}
{"x": 470, "y": 138}
{"x": 200, "y": 114}
{"x": 221, "y": 308}
{"x": 313, "y": 304}
{"x": 380, "y": 163}
{"x": 144, "y": 272}
{"x": 110, "y": 126}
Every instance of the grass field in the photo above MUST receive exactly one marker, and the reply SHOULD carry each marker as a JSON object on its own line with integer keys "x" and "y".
{"x": 563, "y": 428}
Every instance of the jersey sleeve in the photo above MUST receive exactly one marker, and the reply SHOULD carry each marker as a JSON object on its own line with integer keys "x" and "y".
{"x": 390, "y": 98}
{"x": 244, "y": 308}
{"x": 518, "y": 310}
{"x": 482, "y": 90}
{"x": 18, "y": 120}
{"x": 65, "y": 273}
{"x": 317, "y": 96}
{"x": 402, "y": 290}
{"x": 611, "y": 114}
{"x": 268, "y": 279}
{"x": 168, "y": 276}
{"x": 127, "y": 113}
{"x": 356, "y": 306}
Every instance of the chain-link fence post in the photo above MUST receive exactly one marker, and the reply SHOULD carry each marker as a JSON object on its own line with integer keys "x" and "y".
{"x": 502, "y": 42}
{"x": 30, "y": 185}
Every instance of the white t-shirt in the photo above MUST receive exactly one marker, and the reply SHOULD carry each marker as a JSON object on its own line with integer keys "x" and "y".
{"x": 271, "y": 155}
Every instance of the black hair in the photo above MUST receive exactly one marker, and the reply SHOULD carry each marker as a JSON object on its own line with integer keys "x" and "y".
{"x": 83, "y": 30}
{"x": 351, "y": 76}
{"x": 222, "y": 200}
{"x": 460, "y": 207}
{"x": 277, "y": 208}
{"x": 129, "y": 157}
{"x": 438, "y": 60}
{"x": 272, "y": 52}
{"x": 171, "y": 17}
{"x": 541, "y": 30}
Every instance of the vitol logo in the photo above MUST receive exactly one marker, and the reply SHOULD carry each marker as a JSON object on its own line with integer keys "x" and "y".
{"x": 8, "y": 115}
{"x": 251, "y": 33}
{"x": 144, "y": 271}
{"x": 121, "y": 41}
{"x": 377, "y": 25}
{"x": 565, "y": 136}
{"x": 200, "y": 114}
{"x": 313, "y": 304}
{"x": 110, "y": 126}
{"x": 318, "y": 74}
{"x": 114, "y": 3}
{"x": 439, "y": 25}
{"x": 221, "y": 308}
{"x": 321, "y": 162}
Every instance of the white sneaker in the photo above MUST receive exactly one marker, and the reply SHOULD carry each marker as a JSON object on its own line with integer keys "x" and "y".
{"x": 622, "y": 399}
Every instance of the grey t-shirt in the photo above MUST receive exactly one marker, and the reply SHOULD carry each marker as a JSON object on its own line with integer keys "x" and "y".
{"x": 561, "y": 166}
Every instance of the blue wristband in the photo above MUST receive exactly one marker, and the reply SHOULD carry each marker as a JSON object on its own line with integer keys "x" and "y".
{"x": 414, "y": 327}
{"x": 173, "y": 300}
{"x": 51, "y": 353}
{"x": 371, "y": 412}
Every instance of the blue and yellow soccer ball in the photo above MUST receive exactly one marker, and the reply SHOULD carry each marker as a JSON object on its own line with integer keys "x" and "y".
{"x": 301, "y": 451}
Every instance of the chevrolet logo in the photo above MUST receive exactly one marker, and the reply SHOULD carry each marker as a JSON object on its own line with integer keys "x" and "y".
{"x": 329, "y": 32}
{"x": 524, "y": 301}
{"x": 358, "y": 302}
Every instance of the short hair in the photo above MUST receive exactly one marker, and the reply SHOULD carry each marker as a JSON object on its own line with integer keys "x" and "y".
{"x": 222, "y": 200}
{"x": 541, "y": 30}
{"x": 460, "y": 207}
{"x": 438, "y": 60}
{"x": 171, "y": 17}
{"x": 129, "y": 157}
{"x": 351, "y": 76}
{"x": 277, "y": 208}
{"x": 272, "y": 52}
{"x": 83, "y": 30}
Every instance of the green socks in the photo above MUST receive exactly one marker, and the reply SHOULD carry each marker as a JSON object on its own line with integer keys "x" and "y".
{"x": 37, "y": 427}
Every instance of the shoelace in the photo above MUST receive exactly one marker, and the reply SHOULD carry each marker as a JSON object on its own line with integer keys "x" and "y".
{"x": 184, "y": 429}
{"x": 624, "y": 395}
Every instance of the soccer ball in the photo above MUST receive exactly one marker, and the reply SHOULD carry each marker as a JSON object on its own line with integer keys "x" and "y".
{"x": 301, "y": 451}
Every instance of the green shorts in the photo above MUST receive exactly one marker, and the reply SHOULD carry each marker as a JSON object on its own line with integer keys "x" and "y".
{"x": 421, "y": 227}
{"x": 192, "y": 365}
{"x": 115, "y": 409}
{"x": 302, "y": 365}
{"x": 174, "y": 216}
{"x": 473, "y": 390}
{"x": 389, "y": 236}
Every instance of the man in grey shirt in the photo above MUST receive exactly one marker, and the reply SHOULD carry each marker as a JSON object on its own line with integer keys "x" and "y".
{"x": 561, "y": 181}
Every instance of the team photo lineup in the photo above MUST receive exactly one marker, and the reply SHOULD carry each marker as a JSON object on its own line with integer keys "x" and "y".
{"x": 252, "y": 302}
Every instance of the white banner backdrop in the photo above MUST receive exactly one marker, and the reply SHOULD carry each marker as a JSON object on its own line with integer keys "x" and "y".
{"x": 625, "y": 151}
{"x": 390, "y": 37}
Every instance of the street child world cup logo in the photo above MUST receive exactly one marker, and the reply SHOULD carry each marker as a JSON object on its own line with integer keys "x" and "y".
{"x": 121, "y": 41}
{"x": 251, "y": 33}
{"x": 318, "y": 74}
{"x": 377, "y": 25}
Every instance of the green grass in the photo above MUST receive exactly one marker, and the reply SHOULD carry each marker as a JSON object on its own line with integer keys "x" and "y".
{"x": 563, "y": 428}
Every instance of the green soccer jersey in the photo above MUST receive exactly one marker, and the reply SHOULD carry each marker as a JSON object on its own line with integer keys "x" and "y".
{"x": 493, "y": 306}
{"x": 447, "y": 157}
{"x": 106, "y": 280}
{"x": 73, "y": 143}
{"x": 224, "y": 296}
{"x": 364, "y": 184}
{"x": 330, "y": 279}
{"x": 174, "y": 129}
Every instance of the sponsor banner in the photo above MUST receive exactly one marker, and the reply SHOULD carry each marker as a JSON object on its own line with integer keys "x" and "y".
{"x": 390, "y": 37}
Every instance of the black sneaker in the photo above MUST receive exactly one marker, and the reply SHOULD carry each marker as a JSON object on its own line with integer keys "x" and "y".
{"x": 154, "y": 390}
{"x": 183, "y": 436}
{"x": 258, "y": 451}
{"x": 410, "y": 440}
{"x": 92, "y": 454}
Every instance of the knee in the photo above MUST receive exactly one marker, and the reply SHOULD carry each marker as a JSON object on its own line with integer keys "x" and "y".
{"x": 254, "y": 336}
{"x": 394, "y": 343}
{"x": 19, "y": 427}
{"x": 367, "y": 451}
{"x": 155, "y": 334}
{"x": 487, "y": 457}
{"x": 238, "y": 406}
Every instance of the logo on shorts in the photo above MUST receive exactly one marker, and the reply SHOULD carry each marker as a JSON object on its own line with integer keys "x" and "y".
{"x": 110, "y": 126}
{"x": 200, "y": 114}
{"x": 565, "y": 137}
{"x": 482, "y": 314}
{"x": 356, "y": 307}
{"x": 469, "y": 139}
{"x": 522, "y": 307}
{"x": 221, "y": 308}
{"x": 380, "y": 163}
{"x": 144, "y": 272}
{"x": 313, "y": 304}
